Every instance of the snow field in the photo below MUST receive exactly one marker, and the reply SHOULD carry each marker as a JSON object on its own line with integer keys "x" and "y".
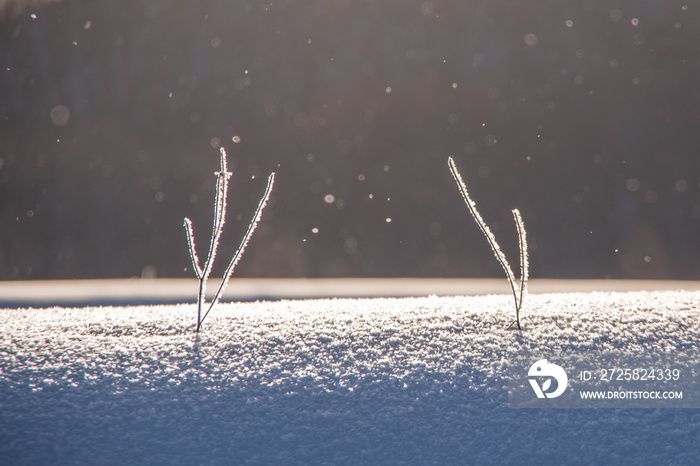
{"x": 370, "y": 381}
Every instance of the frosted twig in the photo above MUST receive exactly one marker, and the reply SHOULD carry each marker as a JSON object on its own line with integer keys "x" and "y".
{"x": 518, "y": 291}
{"x": 244, "y": 242}
{"x": 524, "y": 262}
{"x": 471, "y": 205}
{"x": 191, "y": 246}
{"x": 222, "y": 178}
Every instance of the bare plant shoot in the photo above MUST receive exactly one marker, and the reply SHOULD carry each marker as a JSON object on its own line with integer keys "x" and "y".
{"x": 520, "y": 290}
{"x": 222, "y": 178}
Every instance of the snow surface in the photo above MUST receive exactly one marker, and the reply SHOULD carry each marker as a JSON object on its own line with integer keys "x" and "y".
{"x": 369, "y": 381}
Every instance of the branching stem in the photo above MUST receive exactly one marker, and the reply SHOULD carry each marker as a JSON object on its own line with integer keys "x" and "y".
{"x": 517, "y": 290}
{"x": 222, "y": 179}
{"x": 244, "y": 243}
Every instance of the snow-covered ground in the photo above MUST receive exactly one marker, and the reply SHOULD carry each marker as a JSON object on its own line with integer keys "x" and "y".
{"x": 337, "y": 381}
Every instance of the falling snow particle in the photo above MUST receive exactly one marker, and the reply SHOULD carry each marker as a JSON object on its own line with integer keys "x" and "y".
{"x": 635, "y": 22}
{"x": 388, "y": 90}
{"x": 647, "y": 259}
{"x": 314, "y": 230}
{"x": 87, "y": 25}
{"x": 615, "y": 15}
{"x": 60, "y": 115}
{"x": 530, "y": 39}
{"x": 569, "y": 23}
{"x": 236, "y": 139}
{"x": 329, "y": 199}
{"x": 388, "y": 220}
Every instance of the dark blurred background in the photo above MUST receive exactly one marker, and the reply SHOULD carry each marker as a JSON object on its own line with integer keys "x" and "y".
{"x": 583, "y": 114}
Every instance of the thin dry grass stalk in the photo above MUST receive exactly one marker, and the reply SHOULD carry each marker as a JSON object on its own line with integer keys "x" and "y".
{"x": 222, "y": 179}
{"x": 519, "y": 290}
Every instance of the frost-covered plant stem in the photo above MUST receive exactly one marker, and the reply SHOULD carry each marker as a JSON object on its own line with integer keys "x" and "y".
{"x": 222, "y": 178}
{"x": 520, "y": 290}
{"x": 524, "y": 263}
